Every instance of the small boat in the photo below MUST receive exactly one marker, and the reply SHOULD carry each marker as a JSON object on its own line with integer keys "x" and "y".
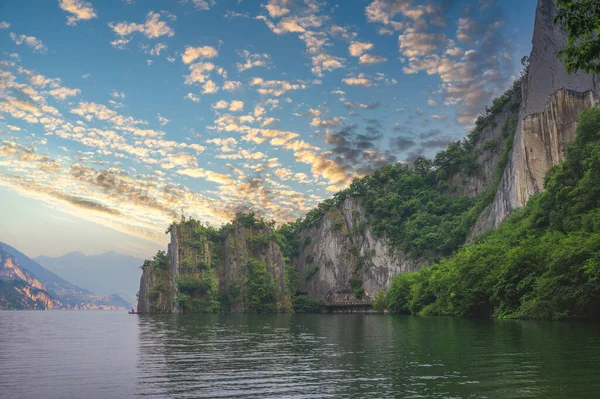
{"x": 132, "y": 312}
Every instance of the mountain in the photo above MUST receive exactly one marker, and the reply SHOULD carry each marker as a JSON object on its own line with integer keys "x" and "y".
{"x": 22, "y": 274}
{"x": 428, "y": 238}
{"x": 19, "y": 289}
{"x": 104, "y": 274}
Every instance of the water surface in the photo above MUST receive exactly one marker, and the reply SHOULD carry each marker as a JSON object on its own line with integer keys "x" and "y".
{"x": 60, "y": 354}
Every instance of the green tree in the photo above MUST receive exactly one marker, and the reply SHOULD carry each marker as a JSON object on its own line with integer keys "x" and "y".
{"x": 581, "y": 20}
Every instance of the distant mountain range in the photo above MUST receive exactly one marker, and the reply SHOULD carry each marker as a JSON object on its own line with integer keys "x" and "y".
{"x": 103, "y": 274}
{"x": 25, "y": 284}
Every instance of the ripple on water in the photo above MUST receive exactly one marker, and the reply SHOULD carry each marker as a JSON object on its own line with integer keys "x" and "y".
{"x": 113, "y": 355}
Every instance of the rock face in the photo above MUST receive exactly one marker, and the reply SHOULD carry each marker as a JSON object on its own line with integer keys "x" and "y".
{"x": 342, "y": 251}
{"x": 192, "y": 253}
{"x": 552, "y": 102}
{"x": 19, "y": 289}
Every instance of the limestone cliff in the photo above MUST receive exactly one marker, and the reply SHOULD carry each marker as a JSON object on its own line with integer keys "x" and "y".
{"x": 206, "y": 270}
{"x": 552, "y": 102}
{"x": 341, "y": 257}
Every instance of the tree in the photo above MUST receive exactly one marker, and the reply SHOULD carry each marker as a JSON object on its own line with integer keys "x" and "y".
{"x": 581, "y": 20}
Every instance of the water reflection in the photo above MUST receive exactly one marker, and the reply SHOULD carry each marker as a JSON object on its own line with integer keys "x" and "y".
{"x": 314, "y": 356}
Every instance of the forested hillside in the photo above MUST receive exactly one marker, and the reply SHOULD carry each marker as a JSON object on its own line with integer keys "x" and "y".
{"x": 543, "y": 262}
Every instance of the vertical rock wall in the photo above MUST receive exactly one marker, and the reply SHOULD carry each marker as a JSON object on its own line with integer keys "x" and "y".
{"x": 552, "y": 102}
{"x": 342, "y": 247}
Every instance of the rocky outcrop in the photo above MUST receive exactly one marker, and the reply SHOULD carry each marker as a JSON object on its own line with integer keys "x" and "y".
{"x": 552, "y": 102}
{"x": 341, "y": 254}
{"x": 193, "y": 254}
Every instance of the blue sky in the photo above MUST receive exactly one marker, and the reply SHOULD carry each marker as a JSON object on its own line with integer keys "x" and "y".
{"x": 116, "y": 115}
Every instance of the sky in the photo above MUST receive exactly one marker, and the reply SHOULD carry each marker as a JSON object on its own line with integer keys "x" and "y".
{"x": 118, "y": 115}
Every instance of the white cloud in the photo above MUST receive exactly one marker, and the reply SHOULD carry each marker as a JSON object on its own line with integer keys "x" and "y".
{"x": 4, "y": 25}
{"x": 62, "y": 93}
{"x": 369, "y": 59}
{"x": 81, "y": 10}
{"x": 325, "y": 62}
{"x": 356, "y": 49}
{"x": 152, "y": 28}
{"x": 209, "y": 87}
{"x": 361, "y": 80}
{"x": 236, "y": 106}
{"x": 117, "y": 94}
{"x": 193, "y": 53}
{"x": 251, "y": 60}
{"x": 120, "y": 43}
{"x": 157, "y": 49}
{"x": 221, "y": 104}
{"x": 201, "y": 5}
{"x": 199, "y": 72}
{"x": 231, "y": 85}
{"x": 36, "y": 44}
{"x": 274, "y": 88}
{"x": 162, "y": 120}
{"x": 193, "y": 97}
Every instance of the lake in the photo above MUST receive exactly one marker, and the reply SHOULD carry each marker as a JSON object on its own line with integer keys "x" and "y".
{"x": 69, "y": 354}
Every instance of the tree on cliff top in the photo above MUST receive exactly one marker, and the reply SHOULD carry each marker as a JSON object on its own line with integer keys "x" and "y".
{"x": 581, "y": 20}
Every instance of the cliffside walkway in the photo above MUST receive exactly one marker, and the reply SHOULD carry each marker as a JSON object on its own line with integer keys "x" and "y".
{"x": 350, "y": 306}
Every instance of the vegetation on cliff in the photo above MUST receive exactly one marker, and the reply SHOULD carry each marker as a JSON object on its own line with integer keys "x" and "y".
{"x": 231, "y": 268}
{"x": 543, "y": 262}
{"x": 411, "y": 205}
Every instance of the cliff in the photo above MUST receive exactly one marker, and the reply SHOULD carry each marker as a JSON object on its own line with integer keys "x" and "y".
{"x": 342, "y": 258}
{"x": 238, "y": 268}
{"x": 552, "y": 102}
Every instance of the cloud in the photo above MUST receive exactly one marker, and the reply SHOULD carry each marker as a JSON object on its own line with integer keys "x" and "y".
{"x": 401, "y": 143}
{"x": 201, "y": 5}
{"x": 275, "y": 88}
{"x": 199, "y": 72}
{"x": 215, "y": 177}
{"x": 209, "y": 87}
{"x": 356, "y": 49}
{"x": 357, "y": 152}
{"x": 193, "y": 97}
{"x": 356, "y": 104}
{"x": 120, "y": 43}
{"x": 4, "y": 25}
{"x": 325, "y": 62}
{"x": 63, "y": 92}
{"x": 361, "y": 80}
{"x": 155, "y": 51}
{"x": 162, "y": 120}
{"x": 152, "y": 28}
{"x": 251, "y": 60}
{"x": 36, "y": 44}
{"x": 236, "y": 106}
{"x": 221, "y": 104}
{"x": 417, "y": 44}
{"x": 369, "y": 59}
{"x": 117, "y": 94}
{"x": 193, "y": 53}
{"x": 81, "y": 10}
{"x": 231, "y": 85}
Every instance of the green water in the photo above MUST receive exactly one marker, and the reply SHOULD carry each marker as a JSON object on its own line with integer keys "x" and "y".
{"x": 111, "y": 355}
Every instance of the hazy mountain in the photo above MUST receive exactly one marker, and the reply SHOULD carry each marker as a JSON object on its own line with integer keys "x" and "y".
{"x": 104, "y": 274}
{"x": 25, "y": 284}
